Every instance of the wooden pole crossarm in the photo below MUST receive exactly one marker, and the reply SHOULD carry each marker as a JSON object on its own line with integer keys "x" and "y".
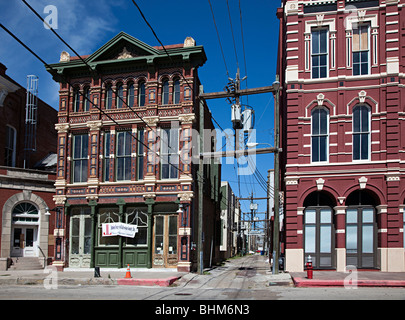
{"x": 247, "y": 152}
{"x": 243, "y": 92}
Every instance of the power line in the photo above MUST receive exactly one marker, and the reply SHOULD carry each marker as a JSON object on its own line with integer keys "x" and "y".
{"x": 157, "y": 38}
{"x": 150, "y": 27}
{"x": 243, "y": 47}
{"x": 55, "y": 73}
{"x": 84, "y": 61}
{"x": 117, "y": 95}
{"x": 233, "y": 36}
{"x": 94, "y": 71}
{"x": 219, "y": 38}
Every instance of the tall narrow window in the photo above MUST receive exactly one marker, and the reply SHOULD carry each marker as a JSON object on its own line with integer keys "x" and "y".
{"x": 107, "y": 152}
{"x": 169, "y": 153}
{"x": 123, "y": 156}
{"x": 319, "y": 135}
{"x": 86, "y": 99}
{"x": 10, "y": 149}
{"x": 76, "y": 100}
{"x": 120, "y": 96}
{"x": 140, "y": 159}
{"x": 361, "y": 50}
{"x": 165, "y": 92}
{"x": 80, "y": 154}
{"x": 403, "y": 226}
{"x": 131, "y": 95}
{"x": 108, "y": 97}
{"x": 319, "y": 53}
{"x": 176, "y": 98}
{"x": 361, "y": 132}
{"x": 141, "y": 94}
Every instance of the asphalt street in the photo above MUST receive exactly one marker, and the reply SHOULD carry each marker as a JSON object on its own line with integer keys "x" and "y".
{"x": 247, "y": 278}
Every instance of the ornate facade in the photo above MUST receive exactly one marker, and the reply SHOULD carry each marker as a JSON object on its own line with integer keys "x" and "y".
{"x": 126, "y": 116}
{"x": 343, "y": 129}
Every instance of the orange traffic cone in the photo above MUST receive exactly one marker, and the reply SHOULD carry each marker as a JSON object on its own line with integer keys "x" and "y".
{"x": 128, "y": 274}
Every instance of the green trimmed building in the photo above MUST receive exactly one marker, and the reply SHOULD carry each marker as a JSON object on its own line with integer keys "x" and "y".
{"x": 125, "y": 120}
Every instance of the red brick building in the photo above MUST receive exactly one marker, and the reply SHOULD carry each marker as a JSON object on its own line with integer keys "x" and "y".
{"x": 343, "y": 127}
{"x": 124, "y": 126}
{"x": 26, "y": 189}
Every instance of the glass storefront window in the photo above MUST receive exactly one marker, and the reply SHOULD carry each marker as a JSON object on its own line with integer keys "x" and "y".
{"x": 107, "y": 215}
{"x": 138, "y": 217}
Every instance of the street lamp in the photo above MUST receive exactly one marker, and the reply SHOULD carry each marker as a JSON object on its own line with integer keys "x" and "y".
{"x": 47, "y": 213}
{"x": 254, "y": 144}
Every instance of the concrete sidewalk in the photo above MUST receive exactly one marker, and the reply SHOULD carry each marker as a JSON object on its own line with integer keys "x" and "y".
{"x": 166, "y": 277}
{"x": 350, "y": 279}
{"x": 144, "y": 277}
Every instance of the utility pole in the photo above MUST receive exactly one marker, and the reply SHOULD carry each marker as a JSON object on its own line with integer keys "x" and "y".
{"x": 266, "y": 241}
{"x": 252, "y": 209}
{"x": 276, "y": 229}
{"x": 236, "y": 93}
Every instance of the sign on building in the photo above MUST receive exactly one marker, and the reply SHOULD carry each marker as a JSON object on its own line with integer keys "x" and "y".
{"x": 119, "y": 229}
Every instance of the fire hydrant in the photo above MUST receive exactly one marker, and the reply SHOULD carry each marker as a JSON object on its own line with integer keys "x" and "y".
{"x": 310, "y": 269}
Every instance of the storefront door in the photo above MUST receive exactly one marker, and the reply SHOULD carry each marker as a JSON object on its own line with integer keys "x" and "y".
{"x": 24, "y": 242}
{"x": 165, "y": 241}
{"x": 80, "y": 238}
{"x": 361, "y": 237}
{"x": 318, "y": 237}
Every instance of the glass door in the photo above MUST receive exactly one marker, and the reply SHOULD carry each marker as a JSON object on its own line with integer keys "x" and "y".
{"x": 80, "y": 238}
{"x": 318, "y": 237}
{"x": 29, "y": 248}
{"x": 24, "y": 243}
{"x": 165, "y": 241}
{"x": 360, "y": 237}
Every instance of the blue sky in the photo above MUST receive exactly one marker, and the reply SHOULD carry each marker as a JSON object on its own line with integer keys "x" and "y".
{"x": 87, "y": 25}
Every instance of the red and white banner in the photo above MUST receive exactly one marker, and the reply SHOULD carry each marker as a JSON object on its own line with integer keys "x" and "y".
{"x": 119, "y": 229}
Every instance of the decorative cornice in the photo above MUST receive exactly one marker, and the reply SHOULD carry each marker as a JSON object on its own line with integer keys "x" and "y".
{"x": 186, "y": 196}
{"x": 95, "y": 125}
{"x": 149, "y": 195}
{"x": 62, "y": 127}
{"x": 187, "y": 118}
{"x": 59, "y": 199}
{"x": 152, "y": 121}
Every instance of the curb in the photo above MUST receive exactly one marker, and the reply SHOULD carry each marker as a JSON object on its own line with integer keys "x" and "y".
{"x": 63, "y": 281}
{"x": 302, "y": 282}
{"x": 147, "y": 282}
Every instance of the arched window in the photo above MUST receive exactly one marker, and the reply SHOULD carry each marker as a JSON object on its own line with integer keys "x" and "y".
{"x": 176, "y": 92}
{"x": 76, "y": 100}
{"x": 361, "y": 132}
{"x": 86, "y": 99}
{"x": 25, "y": 212}
{"x": 120, "y": 95}
{"x": 320, "y": 135}
{"x": 141, "y": 94}
{"x": 108, "y": 96}
{"x": 131, "y": 95}
{"x": 165, "y": 92}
